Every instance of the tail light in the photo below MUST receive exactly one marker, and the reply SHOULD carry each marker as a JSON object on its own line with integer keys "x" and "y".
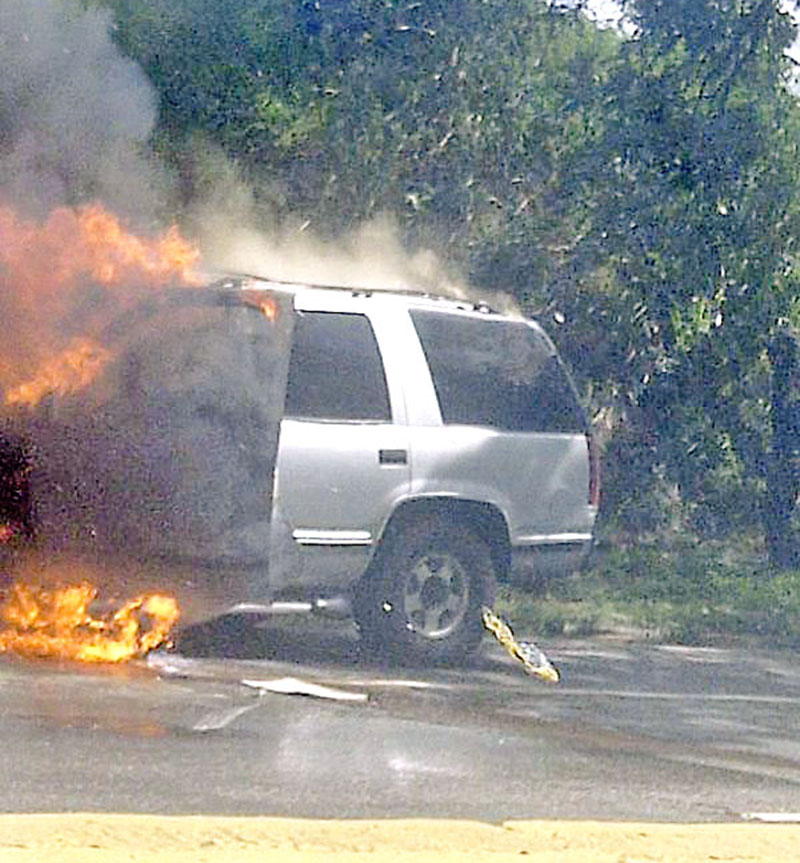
{"x": 594, "y": 470}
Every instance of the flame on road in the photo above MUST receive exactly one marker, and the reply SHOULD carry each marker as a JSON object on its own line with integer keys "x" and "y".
{"x": 58, "y": 624}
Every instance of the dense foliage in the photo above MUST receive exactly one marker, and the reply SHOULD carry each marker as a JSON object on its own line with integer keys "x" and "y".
{"x": 634, "y": 186}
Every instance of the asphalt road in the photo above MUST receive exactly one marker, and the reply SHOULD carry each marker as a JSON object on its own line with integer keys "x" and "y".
{"x": 633, "y": 731}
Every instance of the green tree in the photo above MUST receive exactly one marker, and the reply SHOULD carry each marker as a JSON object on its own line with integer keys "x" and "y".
{"x": 454, "y": 115}
{"x": 689, "y": 262}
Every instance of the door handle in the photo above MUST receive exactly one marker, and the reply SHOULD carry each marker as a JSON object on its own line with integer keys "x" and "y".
{"x": 392, "y": 456}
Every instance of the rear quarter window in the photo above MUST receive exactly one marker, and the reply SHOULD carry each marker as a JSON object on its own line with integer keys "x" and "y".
{"x": 497, "y": 373}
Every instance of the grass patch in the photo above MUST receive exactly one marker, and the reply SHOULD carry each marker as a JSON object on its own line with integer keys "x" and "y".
{"x": 687, "y": 594}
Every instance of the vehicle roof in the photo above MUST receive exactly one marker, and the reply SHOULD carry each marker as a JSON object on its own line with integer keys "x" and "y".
{"x": 317, "y": 297}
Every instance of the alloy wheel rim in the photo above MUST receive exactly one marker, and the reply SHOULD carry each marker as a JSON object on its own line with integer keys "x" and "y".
{"x": 435, "y": 595}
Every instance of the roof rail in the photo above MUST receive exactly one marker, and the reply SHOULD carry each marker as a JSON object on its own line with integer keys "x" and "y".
{"x": 478, "y": 306}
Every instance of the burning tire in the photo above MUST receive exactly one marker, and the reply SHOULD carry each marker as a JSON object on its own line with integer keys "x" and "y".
{"x": 423, "y": 600}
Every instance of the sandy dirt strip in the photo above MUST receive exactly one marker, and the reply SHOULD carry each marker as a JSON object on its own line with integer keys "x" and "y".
{"x": 153, "y": 839}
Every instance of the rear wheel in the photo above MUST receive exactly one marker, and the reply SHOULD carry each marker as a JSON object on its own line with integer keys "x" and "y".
{"x": 423, "y": 598}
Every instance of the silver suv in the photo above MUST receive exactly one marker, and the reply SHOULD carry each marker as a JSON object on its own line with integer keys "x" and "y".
{"x": 428, "y": 449}
{"x": 258, "y": 446}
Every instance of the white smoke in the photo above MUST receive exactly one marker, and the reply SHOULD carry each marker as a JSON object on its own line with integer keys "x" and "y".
{"x": 74, "y": 113}
{"x": 236, "y": 235}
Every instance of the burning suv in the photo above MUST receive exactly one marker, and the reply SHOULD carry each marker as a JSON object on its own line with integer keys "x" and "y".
{"x": 264, "y": 446}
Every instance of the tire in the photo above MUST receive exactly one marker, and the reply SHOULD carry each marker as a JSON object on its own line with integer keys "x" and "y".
{"x": 423, "y": 598}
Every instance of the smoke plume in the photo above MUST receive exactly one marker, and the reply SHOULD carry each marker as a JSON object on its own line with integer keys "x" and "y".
{"x": 236, "y": 235}
{"x": 75, "y": 116}
{"x": 74, "y": 113}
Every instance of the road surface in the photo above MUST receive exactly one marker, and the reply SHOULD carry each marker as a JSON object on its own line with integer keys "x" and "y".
{"x": 633, "y": 731}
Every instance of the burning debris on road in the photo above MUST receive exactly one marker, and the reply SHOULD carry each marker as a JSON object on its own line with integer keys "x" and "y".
{"x": 60, "y": 624}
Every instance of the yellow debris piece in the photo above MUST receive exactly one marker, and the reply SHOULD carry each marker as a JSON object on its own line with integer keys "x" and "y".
{"x": 532, "y": 658}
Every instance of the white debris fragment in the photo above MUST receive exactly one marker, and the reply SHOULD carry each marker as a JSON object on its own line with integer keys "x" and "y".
{"x": 293, "y": 686}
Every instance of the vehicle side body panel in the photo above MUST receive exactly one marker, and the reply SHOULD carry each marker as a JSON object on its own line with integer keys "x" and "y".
{"x": 338, "y": 484}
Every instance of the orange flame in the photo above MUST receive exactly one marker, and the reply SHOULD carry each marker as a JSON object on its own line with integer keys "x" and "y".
{"x": 266, "y": 305}
{"x": 113, "y": 254}
{"x": 70, "y": 371}
{"x": 58, "y": 624}
{"x": 89, "y": 242}
{"x": 45, "y": 270}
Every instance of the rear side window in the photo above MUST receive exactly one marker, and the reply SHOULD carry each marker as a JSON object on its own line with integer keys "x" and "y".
{"x": 335, "y": 370}
{"x": 500, "y": 374}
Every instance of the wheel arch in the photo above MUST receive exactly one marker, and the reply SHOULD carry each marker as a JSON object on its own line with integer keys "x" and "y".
{"x": 484, "y": 519}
